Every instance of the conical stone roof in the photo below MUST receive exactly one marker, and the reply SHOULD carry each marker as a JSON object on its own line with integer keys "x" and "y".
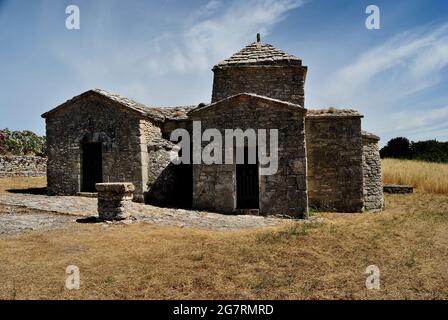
{"x": 258, "y": 53}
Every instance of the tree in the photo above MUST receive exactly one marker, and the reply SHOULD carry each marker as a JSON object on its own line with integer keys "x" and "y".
{"x": 429, "y": 150}
{"x": 399, "y": 148}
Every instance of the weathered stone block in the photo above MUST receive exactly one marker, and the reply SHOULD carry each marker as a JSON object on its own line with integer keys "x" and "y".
{"x": 114, "y": 200}
{"x": 401, "y": 189}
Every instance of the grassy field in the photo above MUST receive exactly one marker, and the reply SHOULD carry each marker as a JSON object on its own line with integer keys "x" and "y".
{"x": 408, "y": 242}
{"x": 21, "y": 183}
{"x": 425, "y": 176}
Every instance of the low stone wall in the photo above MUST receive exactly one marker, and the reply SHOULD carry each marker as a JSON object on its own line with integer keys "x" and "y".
{"x": 393, "y": 188}
{"x": 22, "y": 166}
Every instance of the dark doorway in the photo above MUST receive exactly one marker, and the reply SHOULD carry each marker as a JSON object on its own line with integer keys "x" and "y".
{"x": 92, "y": 166}
{"x": 247, "y": 191}
{"x": 184, "y": 185}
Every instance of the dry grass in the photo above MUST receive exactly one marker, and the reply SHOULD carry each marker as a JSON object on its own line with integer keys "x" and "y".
{"x": 408, "y": 242}
{"x": 425, "y": 176}
{"x": 22, "y": 183}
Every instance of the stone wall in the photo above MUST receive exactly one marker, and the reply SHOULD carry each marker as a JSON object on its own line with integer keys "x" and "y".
{"x": 373, "y": 184}
{"x": 166, "y": 184}
{"x": 149, "y": 132}
{"x": 398, "y": 189}
{"x": 284, "y": 193}
{"x": 93, "y": 118}
{"x": 170, "y": 125}
{"x": 22, "y": 166}
{"x": 284, "y": 83}
{"x": 334, "y": 152}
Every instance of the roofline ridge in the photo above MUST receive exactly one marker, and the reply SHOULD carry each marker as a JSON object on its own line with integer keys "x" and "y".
{"x": 247, "y": 94}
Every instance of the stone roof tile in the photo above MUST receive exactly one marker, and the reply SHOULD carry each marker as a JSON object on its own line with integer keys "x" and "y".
{"x": 369, "y": 135}
{"x": 155, "y": 113}
{"x": 250, "y": 95}
{"x": 174, "y": 113}
{"x": 332, "y": 112}
{"x": 261, "y": 54}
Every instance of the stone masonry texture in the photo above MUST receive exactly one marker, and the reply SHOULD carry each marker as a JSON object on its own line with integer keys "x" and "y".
{"x": 92, "y": 118}
{"x": 114, "y": 200}
{"x": 261, "y": 69}
{"x": 398, "y": 189}
{"x": 22, "y": 166}
{"x": 334, "y": 154}
{"x": 373, "y": 184}
{"x": 283, "y": 193}
{"x": 280, "y": 82}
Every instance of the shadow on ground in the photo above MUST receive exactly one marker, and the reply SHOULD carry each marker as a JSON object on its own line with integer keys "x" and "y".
{"x": 89, "y": 220}
{"x": 39, "y": 191}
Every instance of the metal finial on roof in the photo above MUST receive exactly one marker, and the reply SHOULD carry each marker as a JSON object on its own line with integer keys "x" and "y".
{"x": 258, "y": 37}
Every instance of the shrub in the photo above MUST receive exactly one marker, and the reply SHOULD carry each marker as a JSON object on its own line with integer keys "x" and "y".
{"x": 2, "y": 142}
{"x": 21, "y": 143}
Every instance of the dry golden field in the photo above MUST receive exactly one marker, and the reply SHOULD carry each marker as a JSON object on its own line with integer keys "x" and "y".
{"x": 21, "y": 183}
{"x": 427, "y": 177}
{"x": 408, "y": 241}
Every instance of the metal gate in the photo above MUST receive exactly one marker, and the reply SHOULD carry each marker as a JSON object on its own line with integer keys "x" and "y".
{"x": 247, "y": 189}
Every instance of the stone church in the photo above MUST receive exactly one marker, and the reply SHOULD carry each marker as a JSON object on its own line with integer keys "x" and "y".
{"x": 325, "y": 160}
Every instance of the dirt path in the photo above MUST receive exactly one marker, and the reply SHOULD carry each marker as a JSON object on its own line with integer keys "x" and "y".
{"x": 87, "y": 207}
{"x": 15, "y": 220}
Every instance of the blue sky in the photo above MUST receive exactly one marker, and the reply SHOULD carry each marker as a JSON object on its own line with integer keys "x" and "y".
{"x": 162, "y": 52}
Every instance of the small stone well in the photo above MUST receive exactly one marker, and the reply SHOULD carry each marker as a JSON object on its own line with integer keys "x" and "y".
{"x": 114, "y": 200}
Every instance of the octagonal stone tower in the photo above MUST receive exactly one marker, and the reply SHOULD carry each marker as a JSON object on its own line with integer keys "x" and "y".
{"x": 261, "y": 69}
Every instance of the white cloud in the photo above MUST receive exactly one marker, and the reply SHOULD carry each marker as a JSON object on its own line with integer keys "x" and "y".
{"x": 416, "y": 120}
{"x": 174, "y": 66}
{"x": 417, "y": 56}
{"x": 383, "y": 81}
{"x": 210, "y": 39}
